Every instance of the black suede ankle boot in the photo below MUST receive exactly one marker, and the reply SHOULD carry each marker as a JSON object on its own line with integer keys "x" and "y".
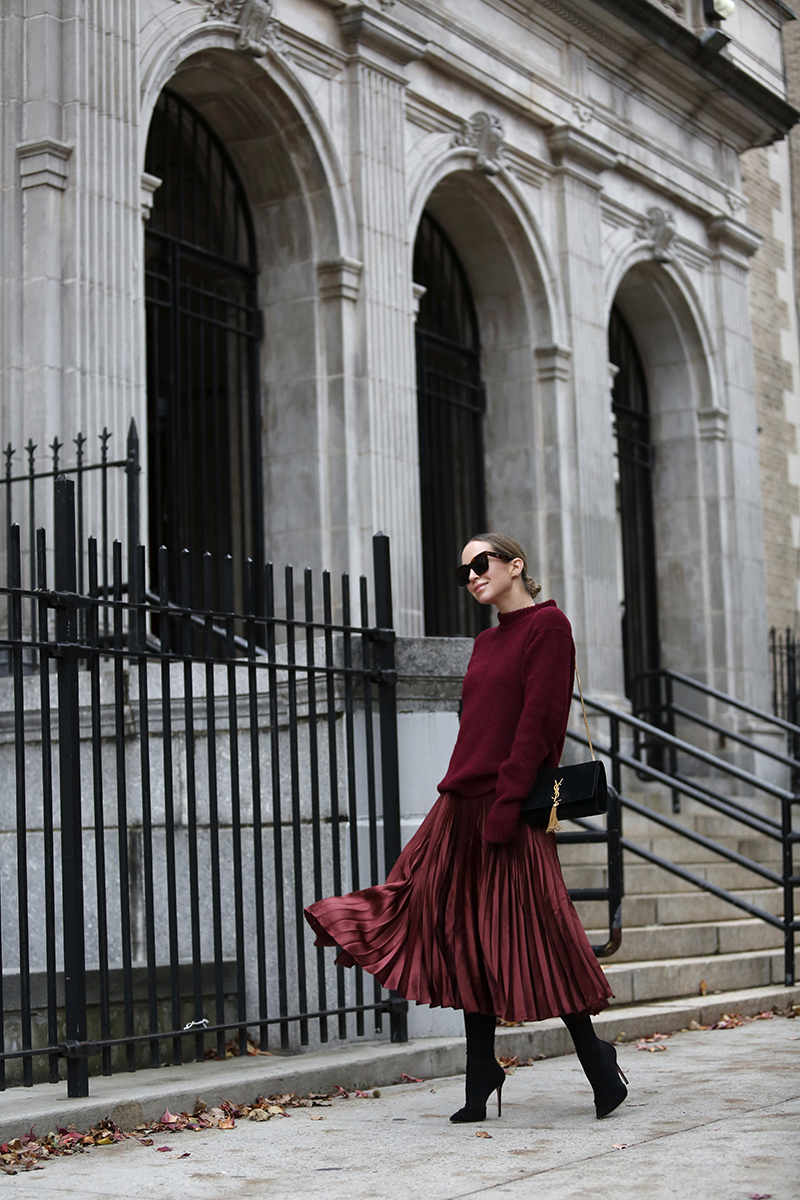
{"x": 599, "y": 1062}
{"x": 484, "y": 1073}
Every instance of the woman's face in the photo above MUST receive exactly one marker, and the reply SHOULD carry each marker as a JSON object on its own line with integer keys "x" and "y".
{"x": 498, "y": 583}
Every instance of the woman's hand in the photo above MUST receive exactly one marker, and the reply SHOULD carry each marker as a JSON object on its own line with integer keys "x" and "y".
{"x": 501, "y": 821}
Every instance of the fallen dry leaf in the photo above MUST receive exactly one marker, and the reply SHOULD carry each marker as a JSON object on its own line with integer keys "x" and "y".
{"x": 411, "y": 1078}
{"x": 317, "y": 1118}
{"x": 482, "y": 1133}
{"x": 258, "y": 1114}
{"x": 620, "y": 1146}
{"x": 164, "y": 1149}
{"x": 760, "y": 1196}
{"x": 703, "y": 987}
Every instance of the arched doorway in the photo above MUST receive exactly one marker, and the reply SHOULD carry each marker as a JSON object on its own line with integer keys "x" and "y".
{"x": 202, "y": 352}
{"x": 451, "y": 406}
{"x": 635, "y": 464}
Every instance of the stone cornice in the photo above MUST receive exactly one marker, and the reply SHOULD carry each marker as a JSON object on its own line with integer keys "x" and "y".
{"x": 365, "y": 27}
{"x": 732, "y": 235}
{"x": 43, "y": 164}
{"x": 150, "y": 185}
{"x": 553, "y": 363}
{"x": 339, "y": 279}
{"x": 572, "y": 147}
{"x": 686, "y": 48}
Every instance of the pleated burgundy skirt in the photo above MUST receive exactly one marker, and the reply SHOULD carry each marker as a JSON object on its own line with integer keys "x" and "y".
{"x": 462, "y": 923}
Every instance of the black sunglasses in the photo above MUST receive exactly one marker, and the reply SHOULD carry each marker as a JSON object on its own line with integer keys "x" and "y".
{"x": 479, "y": 564}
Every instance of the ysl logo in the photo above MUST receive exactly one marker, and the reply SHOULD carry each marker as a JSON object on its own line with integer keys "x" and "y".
{"x": 557, "y": 790}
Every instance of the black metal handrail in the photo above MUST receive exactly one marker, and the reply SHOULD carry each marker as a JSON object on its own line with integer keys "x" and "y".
{"x": 695, "y": 788}
{"x": 730, "y": 701}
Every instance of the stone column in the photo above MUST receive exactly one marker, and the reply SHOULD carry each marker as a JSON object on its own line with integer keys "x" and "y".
{"x": 585, "y": 468}
{"x": 382, "y": 442}
{"x": 341, "y": 541}
{"x": 78, "y": 345}
{"x": 731, "y": 457}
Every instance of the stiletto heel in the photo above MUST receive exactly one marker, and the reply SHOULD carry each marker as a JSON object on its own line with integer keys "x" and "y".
{"x": 481, "y": 1082}
{"x": 607, "y": 1079}
{"x": 599, "y": 1062}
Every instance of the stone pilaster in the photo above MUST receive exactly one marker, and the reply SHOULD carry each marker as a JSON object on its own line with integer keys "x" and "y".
{"x": 731, "y": 459}
{"x": 384, "y": 438}
{"x": 339, "y": 285}
{"x": 73, "y": 356}
{"x": 587, "y": 504}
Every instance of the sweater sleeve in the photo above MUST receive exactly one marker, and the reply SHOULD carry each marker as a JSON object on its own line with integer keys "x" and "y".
{"x": 547, "y": 671}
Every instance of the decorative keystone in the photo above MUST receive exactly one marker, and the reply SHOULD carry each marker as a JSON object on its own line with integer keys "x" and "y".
{"x": 259, "y": 31}
{"x": 658, "y": 228}
{"x": 484, "y": 134}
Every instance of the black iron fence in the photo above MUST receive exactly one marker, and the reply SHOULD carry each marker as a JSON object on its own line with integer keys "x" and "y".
{"x": 106, "y": 504}
{"x": 187, "y": 779}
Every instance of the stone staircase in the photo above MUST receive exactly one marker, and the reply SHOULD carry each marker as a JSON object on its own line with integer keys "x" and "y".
{"x": 678, "y": 942}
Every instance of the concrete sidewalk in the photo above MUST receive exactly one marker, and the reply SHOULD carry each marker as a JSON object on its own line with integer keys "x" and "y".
{"x": 129, "y": 1099}
{"x": 715, "y": 1116}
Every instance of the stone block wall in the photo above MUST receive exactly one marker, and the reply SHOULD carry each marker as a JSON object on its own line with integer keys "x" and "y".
{"x": 768, "y": 177}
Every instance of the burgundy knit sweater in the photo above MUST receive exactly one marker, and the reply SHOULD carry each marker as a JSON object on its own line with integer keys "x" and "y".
{"x": 516, "y": 700}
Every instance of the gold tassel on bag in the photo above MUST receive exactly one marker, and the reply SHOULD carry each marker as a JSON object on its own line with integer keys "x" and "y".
{"x": 553, "y": 825}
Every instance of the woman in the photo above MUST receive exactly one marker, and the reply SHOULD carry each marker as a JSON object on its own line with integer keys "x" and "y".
{"x": 475, "y": 913}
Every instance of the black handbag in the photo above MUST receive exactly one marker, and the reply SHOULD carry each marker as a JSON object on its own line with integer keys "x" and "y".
{"x": 576, "y": 791}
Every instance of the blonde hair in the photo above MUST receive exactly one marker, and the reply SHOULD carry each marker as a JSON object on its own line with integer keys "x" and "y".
{"x": 506, "y": 545}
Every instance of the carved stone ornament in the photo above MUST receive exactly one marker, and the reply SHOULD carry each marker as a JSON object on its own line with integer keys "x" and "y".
{"x": 584, "y": 113}
{"x": 483, "y": 133}
{"x": 677, "y": 6}
{"x": 658, "y": 227}
{"x": 259, "y": 31}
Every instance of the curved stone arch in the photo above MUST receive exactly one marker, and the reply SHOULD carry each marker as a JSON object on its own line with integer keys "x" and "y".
{"x": 432, "y": 167}
{"x": 639, "y": 251}
{"x": 215, "y": 35}
{"x": 307, "y": 239}
{"x": 517, "y": 295}
{"x": 688, "y": 426}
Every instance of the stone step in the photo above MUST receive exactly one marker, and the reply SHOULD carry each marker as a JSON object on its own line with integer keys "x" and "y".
{"x": 679, "y": 908}
{"x": 645, "y": 879}
{"x": 649, "y": 943}
{"x": 641, "y": 981}
{"x": 674, "y": 848}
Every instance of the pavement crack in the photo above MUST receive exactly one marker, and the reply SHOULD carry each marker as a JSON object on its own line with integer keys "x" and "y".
{"x": 657, "y": 1137}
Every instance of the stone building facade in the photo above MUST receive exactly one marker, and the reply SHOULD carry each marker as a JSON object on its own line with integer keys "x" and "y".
{"x": 573, "y": 160}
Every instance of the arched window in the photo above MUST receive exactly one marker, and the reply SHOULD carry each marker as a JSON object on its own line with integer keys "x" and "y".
{"x": 451, "y": 406}
{"x": 204, "y": 432}
{"x": 635, "y": 456}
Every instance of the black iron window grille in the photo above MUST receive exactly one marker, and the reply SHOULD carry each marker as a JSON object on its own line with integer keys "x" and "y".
{"x": 203, "y": 322}
{"x": 451, "y": 407}
{"x": 635, "y": 458}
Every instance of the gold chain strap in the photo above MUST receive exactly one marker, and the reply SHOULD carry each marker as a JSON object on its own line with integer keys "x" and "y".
{"x": 583, "y": 708}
